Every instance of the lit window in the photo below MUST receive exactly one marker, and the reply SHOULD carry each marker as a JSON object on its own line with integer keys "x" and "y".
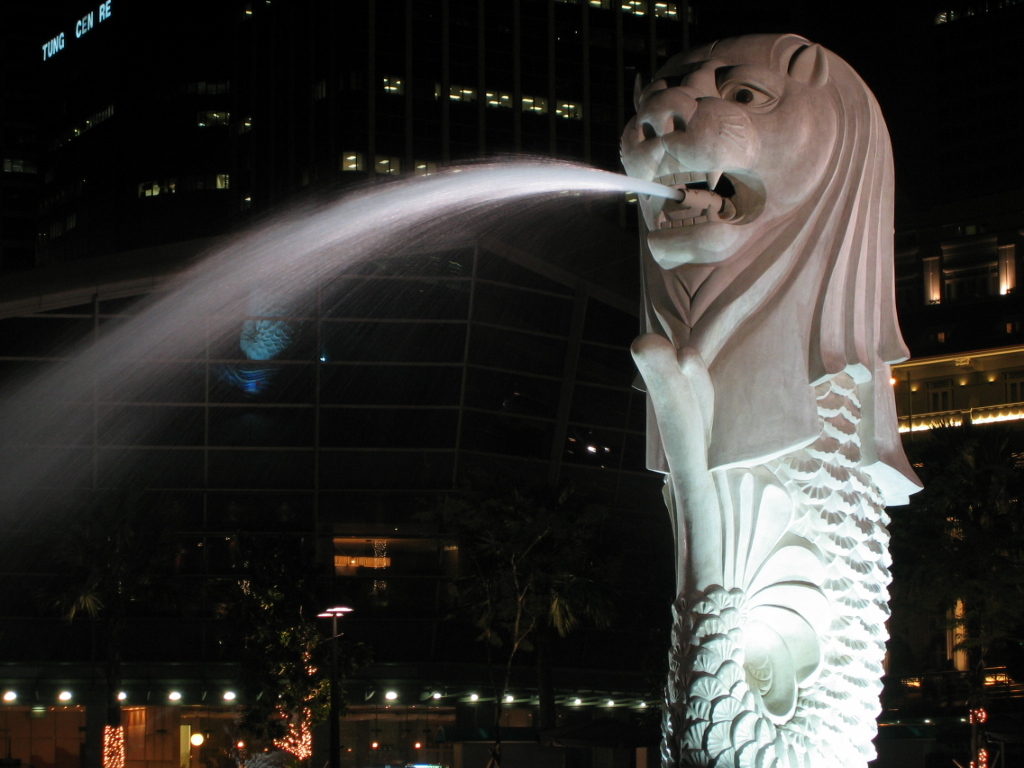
{"x": 245, "y": 126}
{"x": 393, "y": 85}
{"x": 537, "y": 104}
{"x": 1007, "y": 269}
{"x": 569, "y": 110}
{"x": 461, "y": 93}
{"x": 353, "y": 161}
{"x": 88, "y": 124}
{"x": 212, "y": 117}
{"x": 932, "y": 280}
{"x": 499, "y": 99}
{"x": 341, "y": 562}
{"x": 636, "y": 7}
{"x": 223, "y": 181}
{"x": 666, "y": 11}
{"x": 17, "y": 165}
{"x": 387, "y": 165}
{"x": 425, "y": 168}
{"x": 155, "y": 188}
{"x": 600, "y": 3}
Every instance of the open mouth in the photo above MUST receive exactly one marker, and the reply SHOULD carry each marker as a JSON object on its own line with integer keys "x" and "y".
{"x": 707, "y": 197}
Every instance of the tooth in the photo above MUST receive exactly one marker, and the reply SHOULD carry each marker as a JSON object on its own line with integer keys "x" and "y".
{"x": 713, "y": 178}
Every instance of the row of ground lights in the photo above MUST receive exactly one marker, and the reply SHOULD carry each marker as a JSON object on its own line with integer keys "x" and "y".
{"x": 508, "y": 698}
{"x": 66, "y": 697}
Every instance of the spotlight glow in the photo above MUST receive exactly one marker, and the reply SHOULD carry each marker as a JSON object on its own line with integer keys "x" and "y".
{"x": 174, "y": 696}
{"x": 10, "y": 696}
{"x": 64, "y": 696}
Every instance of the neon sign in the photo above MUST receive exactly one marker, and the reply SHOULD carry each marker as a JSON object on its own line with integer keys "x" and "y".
{"x": 83, "y": 26}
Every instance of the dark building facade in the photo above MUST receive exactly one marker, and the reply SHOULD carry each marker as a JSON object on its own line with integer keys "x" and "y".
{"x": 501, "y": 355}
{"x": 274, "y": 100}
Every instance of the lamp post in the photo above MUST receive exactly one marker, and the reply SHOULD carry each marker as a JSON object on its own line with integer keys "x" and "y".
{"x": 335, "y": 613}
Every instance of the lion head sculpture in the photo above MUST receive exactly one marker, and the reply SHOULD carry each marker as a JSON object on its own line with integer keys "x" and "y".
{"x": 776, "y": 267}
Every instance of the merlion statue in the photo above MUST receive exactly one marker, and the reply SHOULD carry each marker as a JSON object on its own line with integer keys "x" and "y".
{"x": 770, "y": 324}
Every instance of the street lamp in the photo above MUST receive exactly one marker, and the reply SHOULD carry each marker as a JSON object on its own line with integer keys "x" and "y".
{"x": 335, "y": 613}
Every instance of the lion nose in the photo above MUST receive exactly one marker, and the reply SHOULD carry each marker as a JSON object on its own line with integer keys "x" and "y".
{"x": 666, "y": 111}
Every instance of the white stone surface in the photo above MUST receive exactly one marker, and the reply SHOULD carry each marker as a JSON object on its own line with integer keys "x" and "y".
{"x": 770, "y": 326}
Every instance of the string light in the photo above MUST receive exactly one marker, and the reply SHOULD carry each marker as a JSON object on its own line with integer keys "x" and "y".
{"x": 979, "y": 716}
{"x": 298, "y": 738}
{"x": 113, "y": 746}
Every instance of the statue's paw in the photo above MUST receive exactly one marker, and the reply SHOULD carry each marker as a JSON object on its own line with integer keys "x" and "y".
{"x": 695, "y": 370}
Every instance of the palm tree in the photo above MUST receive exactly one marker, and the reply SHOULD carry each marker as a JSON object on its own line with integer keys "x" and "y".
{"x": 114, "y": 557}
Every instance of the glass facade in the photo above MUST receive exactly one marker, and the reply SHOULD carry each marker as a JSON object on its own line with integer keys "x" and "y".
{"x": 409, "y": 375}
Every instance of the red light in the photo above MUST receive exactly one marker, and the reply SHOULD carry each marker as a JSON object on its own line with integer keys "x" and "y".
{"x": 418, "y": 745}
{"x": 374, "y": 745}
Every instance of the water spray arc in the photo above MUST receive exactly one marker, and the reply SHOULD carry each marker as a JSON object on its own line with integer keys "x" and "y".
{"x": 252, "y": 282}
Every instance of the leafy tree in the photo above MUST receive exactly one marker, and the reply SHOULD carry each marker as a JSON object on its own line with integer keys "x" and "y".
{"x": 285, "y": 651}
{"x": 962, "y": 539}
{"x": 530, "y": 570}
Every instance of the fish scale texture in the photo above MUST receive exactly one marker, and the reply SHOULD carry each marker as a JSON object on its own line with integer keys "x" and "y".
{"x": 715, "y": 714}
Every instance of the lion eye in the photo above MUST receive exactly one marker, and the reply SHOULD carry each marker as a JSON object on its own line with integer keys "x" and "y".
{"x": 748, "y": 95}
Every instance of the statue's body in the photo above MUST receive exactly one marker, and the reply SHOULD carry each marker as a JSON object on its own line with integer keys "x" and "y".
{"x": 771, "y": 324}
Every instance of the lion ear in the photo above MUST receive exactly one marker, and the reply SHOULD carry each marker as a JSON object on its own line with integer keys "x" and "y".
{"x": 638, "y": 88}
{"x": 809, "y": 65}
